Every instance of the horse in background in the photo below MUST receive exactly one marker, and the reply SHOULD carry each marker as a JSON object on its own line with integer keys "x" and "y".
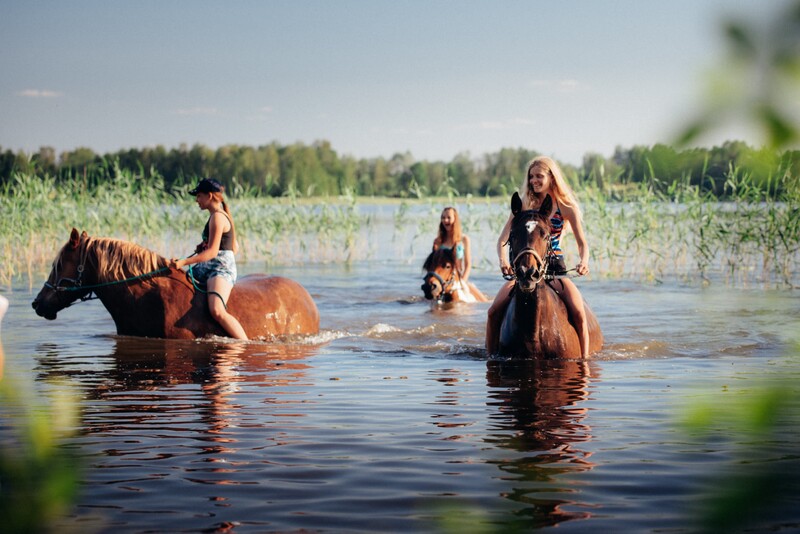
{"x": 147, "y": 298}
{"x": 442, "y": 282}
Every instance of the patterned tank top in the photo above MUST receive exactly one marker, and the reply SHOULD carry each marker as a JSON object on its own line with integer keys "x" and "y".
{"x": 556, "y": 227}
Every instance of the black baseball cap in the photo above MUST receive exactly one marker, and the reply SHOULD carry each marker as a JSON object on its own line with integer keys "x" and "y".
{"x": 207, "y": 185}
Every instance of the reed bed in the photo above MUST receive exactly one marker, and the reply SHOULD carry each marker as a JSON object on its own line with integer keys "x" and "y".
{"x": 651, "y": 233}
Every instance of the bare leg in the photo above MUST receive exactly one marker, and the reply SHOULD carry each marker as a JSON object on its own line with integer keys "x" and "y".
{"x": 495, "y": 317}
{"x": 574, "y": 302}
{"x": 223, "y": 288}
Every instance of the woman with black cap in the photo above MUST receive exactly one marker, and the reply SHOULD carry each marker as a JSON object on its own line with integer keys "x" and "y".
{"x": 213, "y": 261}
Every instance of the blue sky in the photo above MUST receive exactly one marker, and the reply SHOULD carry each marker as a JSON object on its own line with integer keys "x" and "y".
{"x": 372, "y": 77}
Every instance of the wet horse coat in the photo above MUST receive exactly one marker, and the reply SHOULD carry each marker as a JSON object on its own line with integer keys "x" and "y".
{"x": 147, "y": 298}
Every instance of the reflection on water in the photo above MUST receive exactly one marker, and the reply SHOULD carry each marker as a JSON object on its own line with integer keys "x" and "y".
{"x": 392, "y": 420}
{"x": 539, "y": 414}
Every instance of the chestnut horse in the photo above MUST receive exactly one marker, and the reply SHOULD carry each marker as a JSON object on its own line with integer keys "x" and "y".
{"x": 147, "y": 298}
{"x": 537, "y": 323}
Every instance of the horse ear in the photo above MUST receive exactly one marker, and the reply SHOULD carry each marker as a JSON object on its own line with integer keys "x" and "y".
{"x": 516, "y": 203}
{"x": 427, "y": 265}
{"x": 74, "y": 238}
{"x": 546, "y": 207}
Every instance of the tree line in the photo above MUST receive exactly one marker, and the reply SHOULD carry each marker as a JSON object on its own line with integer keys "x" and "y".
{"x": 318, "y": 170}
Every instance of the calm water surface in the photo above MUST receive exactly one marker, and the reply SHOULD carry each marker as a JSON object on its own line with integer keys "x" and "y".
{"x": 392, "y": 420}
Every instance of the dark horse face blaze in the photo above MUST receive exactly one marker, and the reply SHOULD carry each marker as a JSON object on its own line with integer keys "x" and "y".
{"x": 64, "y": 274}
{"x": 529, "y": 242}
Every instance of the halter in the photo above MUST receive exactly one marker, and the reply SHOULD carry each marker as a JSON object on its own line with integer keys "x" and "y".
{"x": 442, "y": 282}
{"x": 541, "y": 264}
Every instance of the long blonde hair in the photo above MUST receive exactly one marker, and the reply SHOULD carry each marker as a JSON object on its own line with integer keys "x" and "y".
{"x": 457, "y": 234}
{"x": 560, "y": 190}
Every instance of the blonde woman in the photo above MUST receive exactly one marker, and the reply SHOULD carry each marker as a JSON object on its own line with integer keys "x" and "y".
{"x": 542, "y": 179}
{"x": 451, "y": 237}
{"x": 213, "y": 261}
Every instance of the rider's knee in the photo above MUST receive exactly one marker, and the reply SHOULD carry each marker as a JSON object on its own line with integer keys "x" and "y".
{"x": 217, "y": 311}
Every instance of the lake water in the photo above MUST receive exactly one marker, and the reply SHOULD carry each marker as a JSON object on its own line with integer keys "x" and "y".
{"x": 392, "y": 420}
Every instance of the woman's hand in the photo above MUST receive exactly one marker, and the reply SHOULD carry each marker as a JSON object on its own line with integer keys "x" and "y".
{"x": 176, "y": 263}
{"x": 506, "y": 268}
{"x": 582, "y": 269}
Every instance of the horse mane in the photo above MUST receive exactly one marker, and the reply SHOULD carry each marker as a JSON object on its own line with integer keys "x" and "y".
{"x": 435, "y": 258}
{"x": 118, "y": 260}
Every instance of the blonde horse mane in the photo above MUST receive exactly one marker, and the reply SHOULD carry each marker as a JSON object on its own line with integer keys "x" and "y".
{"x": 118, "y": 260}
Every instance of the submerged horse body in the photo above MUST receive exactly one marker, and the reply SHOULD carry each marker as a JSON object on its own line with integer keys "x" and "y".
{"x": 537, "y": 323}
{"x": 147, "y": 298}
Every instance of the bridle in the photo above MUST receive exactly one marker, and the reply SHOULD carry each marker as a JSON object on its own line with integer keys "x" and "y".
{"x": 541, "y": 265}
{"x": 76, "y": 283}
{"x": 541, "y": 268}
{"x": 442, "y": 282}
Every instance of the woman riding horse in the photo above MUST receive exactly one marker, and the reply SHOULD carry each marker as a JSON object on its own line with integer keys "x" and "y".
{"x": 543, "y": 182}
{"x": 455, "y": 259}
{"x": 536, "y": 321}
{"x": 213, "y": 263}
{"x": 147, "y": 298}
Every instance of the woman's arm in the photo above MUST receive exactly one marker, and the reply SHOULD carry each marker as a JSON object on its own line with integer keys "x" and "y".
{"x": 467, "y": 258}
{"x": 502, "y": 247}
{"x": 437, "y": 243}
{"x": 580, "y": 239}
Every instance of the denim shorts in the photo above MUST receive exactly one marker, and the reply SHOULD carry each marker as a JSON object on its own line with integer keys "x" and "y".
{"x": 223, "y": 265}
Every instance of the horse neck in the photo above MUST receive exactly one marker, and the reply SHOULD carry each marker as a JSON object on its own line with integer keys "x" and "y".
{"x": 118, "y": 267}
{"x": 117, "y": 260}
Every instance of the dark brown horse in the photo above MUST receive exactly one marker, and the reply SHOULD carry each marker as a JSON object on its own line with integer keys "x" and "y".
{"x": 147, "y": 298}
{"x": 441, "y": 276}
{"x": 537, "y": 323}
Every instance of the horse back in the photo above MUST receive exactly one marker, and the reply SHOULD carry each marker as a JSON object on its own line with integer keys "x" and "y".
{"x": 269, "y": 306}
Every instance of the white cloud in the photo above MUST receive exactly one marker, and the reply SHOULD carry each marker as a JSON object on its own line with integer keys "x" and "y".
{"x": 39, "y": 93}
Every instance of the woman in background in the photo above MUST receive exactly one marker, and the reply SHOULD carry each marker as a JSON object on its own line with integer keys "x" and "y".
{"x": 451, "y": 237}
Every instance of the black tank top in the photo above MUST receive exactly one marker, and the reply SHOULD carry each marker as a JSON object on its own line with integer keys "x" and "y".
{"x": 227, "y": 240}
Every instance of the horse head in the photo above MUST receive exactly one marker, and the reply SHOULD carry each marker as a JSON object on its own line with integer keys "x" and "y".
{"x": 64, "y": 285}
{"x": 440, "y": 274}
{"x": 529, "y": 243}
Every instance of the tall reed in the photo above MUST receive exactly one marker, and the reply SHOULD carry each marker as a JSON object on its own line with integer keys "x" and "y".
{"x": 648, "y": 231}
